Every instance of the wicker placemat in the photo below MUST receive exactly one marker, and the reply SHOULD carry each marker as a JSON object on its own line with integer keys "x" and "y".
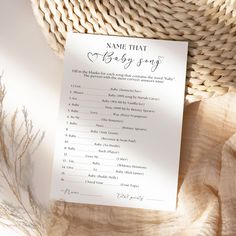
{"x": 208, "y": 25}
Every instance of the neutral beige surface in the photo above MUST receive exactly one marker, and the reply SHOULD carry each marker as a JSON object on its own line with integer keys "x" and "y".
{"x": 207, "y": 185}
{"x": 209, "y": 27}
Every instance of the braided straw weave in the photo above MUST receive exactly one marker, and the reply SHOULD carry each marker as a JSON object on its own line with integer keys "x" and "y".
{"x": 208, "y": 25}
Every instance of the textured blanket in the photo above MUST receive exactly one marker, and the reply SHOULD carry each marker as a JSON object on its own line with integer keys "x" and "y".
{"x": 206, "y": 203}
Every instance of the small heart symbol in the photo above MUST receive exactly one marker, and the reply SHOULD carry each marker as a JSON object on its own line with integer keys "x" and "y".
{"x": 92, "y": 56}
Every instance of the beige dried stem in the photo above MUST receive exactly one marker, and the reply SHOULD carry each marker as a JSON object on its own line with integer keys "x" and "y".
{"x": 18, "y": 141}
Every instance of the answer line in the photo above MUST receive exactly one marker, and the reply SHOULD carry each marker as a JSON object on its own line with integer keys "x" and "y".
{"x": 153, "y": 199}
{"x": 90, "y": 195}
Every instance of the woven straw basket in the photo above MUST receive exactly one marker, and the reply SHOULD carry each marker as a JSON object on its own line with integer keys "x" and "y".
{"x": 208, "y": 25}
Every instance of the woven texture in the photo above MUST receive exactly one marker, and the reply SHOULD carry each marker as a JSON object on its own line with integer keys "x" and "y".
{"x": 208, "y": 25}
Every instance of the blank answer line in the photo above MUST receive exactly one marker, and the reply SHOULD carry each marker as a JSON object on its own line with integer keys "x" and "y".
{"x": 154, "y": 199}
{"x": 105, "y": 114}
{"x": 116, "y": 185}
{"x": 95, "y": 171}
{"x": 92, "y": 127}
{"x": 98, "y": 89}
{"x": 90, "y": 195}
{"x": 82, "y": 144}
{"x": 83, "y": 169}
{"x": 107, "y": 159}
{"x": 89, "y": 101}
{"x": 79, "y": 157}
{"x": 72, "y": 130}
{"x": 90, "y": 119}
{"x": 95, "y": 95}
{"x": 111, "y": 127}
{"x": 104, "y": 171}
{"x": 74, "y": 156}
{"x": 84, "y": 113}
{"x": 89, "y": 138}
{"x": 76, "y": 175}
{"x": 108, "y": 165}
{"x": 81, "y": 163}
{"x": 88, "y": 107}
{"x": 74, "y": 181}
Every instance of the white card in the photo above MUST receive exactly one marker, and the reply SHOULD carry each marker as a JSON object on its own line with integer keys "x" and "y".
{"x": 120, "y": 122}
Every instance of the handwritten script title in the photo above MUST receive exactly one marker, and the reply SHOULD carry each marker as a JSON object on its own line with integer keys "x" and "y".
{"x": 111, "y": 55}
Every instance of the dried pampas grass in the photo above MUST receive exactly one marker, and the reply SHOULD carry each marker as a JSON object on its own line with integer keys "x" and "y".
{"x": 18, "y": 207}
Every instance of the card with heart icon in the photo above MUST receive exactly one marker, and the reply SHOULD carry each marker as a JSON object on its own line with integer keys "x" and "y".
{"x": 120, "y": 121}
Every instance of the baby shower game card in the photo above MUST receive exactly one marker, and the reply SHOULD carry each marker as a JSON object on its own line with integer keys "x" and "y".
{"x": 120, "y": 121}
